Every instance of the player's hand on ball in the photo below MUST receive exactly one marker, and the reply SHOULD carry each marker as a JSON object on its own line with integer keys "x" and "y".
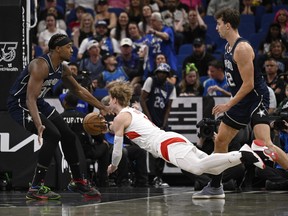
{"x": 94, "y": 124}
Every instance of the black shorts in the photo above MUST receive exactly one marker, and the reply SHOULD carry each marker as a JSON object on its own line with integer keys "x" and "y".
{"x": 20, "y": 113}
{"x": 243, "y": 113}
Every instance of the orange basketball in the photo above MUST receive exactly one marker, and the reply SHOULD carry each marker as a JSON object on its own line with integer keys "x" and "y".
{"x": 94, "y": 123}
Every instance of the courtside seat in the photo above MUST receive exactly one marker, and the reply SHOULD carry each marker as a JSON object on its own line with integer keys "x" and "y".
{"x": 117, "y": 11}
{"x": 185, "y": 49}
{"x": 99, "y": 93}
{"x": 266, "y": 20}
{"x": 72, "y": 15}
{"x": 255, "y": 40}
{"x": 278, "y": 7}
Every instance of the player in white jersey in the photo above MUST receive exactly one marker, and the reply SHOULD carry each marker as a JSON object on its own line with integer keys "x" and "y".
{"x": 171, "y": 146}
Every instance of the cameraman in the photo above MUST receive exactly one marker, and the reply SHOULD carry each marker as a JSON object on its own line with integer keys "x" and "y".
{"x": 233, "y": 176}
{"x": 275, "y": 176}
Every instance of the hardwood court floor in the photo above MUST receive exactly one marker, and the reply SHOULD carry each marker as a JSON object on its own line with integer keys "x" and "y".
{"x": 148, "y": 201}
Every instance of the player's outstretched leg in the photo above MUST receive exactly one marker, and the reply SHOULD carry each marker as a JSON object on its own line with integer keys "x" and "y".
{"x": 260, "y": 147}
{"x": 250, "y": 157}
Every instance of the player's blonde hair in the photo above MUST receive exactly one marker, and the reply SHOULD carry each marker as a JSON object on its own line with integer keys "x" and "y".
{"x": 122, "y": 91}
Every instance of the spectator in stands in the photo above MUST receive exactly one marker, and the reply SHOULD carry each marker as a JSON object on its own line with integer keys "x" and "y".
{"x": 175, "y": 18}
{"x": 154, "y": 4}
{"x": 161, "y": 58}
{"x": 135, "y": 35}
{"x": 121, "y": 29}
{"x": 60, "y": 87}
{"x": 247, "y": 7}
{"x": 281, "y": 17}
{"x": 135, "y": 10}
{"x": 79, "y": 11}
{"x": 123, "y": 4}
{"x": 102, "y": 13}
{"x": 160, "y": 40}
{"x": 50, "y": 30}
{"x": 190, "y": 84}
{"x": 145, "y": 23}
{"x": 268, "y": 5}
{"x": 160, "y": 4}
{"x": 215, "y": 5}
{"x": 217, "y": 84}
{"x": 127, "y": 58}
{"x": 107, "y": 44}
{"x": 95, "y": 148}
{"x": 113, "y": 72}
{"x": 91, "y": 4}
{"x": 60, "y": 23}
{"x": 48, "y": 4}
{"x": 85, "y": 30}
{"x": 156, "y": 99}
{"x": 199, "y": 57}
{"x": 277, "y": 51}
{"x": 273, "y": 34}
{"x": 93, "y": 62}
{"x": 273, "y": 80}
{"x": 84, "y": 80}
{"x": 192, "y": 4}
{"x": 195, "y": 27}
{"x": 180, "y": 6}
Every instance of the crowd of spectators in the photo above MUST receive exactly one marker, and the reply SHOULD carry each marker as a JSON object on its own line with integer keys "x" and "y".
{"x": 130, "y": 39}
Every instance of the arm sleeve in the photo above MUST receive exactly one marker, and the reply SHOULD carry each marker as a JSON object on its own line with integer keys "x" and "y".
{"x": 117, "y": 150}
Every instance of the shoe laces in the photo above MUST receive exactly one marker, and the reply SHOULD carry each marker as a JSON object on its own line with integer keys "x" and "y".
{"x": 44, "y": 189}
{"x": 84, "y": 182}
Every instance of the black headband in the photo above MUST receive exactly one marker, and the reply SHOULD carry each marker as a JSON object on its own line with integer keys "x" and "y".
{"x": 62, "y": 42}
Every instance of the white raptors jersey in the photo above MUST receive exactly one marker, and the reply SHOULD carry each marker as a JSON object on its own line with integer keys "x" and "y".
{"x": 148, "y": 136}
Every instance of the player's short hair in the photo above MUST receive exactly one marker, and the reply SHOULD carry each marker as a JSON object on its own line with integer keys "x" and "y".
{"x": 58, "y": 40}
{"x": 122, "y": 91}
{"x": 229, "y": 15}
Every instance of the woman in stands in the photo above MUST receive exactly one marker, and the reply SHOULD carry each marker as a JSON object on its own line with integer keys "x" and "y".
{"x": 190, "y": 84}
{"x": 121, "y": 29}
{"x": 86, "y": 29}
{"x": 281, "y": 17}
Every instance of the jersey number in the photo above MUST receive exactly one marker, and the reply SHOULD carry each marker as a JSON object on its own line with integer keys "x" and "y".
{"x": 230, "y": 79}
{"x": 159, "y": 102}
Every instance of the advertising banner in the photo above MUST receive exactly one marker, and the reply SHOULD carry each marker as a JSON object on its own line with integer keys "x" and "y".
{"x": 13, "y": 45}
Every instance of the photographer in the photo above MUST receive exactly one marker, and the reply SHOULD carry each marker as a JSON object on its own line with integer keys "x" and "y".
{"x": 232, "y": 177}
{"x": 276, "y": 178}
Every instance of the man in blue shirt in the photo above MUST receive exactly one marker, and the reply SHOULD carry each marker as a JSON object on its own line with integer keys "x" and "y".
{"x": 216, "y": 85}
{"x": 160, "y": 40}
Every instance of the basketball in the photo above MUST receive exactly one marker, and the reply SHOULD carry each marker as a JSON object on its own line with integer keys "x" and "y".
{"x": 94, "y": 123}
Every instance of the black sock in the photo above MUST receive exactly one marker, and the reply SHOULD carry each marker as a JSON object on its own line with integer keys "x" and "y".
{"x": 216, "y": 180}
{"x": 75, "y": 169}
{"x": 39, "y": 175}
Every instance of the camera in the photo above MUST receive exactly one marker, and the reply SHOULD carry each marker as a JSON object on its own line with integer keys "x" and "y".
{"x": 207, "y": 127}
{"x": 279, "y": 123}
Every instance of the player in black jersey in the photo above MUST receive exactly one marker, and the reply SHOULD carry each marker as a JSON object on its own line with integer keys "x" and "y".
{"x": 27, "y": 106}
{"x": 249, "y": 102}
